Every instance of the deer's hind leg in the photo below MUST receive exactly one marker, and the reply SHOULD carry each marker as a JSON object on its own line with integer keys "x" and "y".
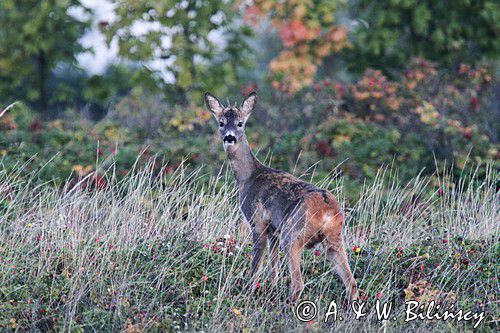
{"x": 338, "y": 257}
{"x": 292, "y": 242}
{"x": 274, "y": 258}
{"x": 293, "y": 253}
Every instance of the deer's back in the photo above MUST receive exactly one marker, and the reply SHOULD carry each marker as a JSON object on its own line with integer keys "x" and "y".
{"x": 275, "y": 195}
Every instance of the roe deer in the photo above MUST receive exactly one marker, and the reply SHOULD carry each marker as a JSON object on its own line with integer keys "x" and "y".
{"x": 289, "y": 212}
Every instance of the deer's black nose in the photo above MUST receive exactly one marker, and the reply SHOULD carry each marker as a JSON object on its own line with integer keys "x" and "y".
{"x": 229, "y": 139}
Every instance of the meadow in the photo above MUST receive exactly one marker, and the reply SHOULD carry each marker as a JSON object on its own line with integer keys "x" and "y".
{"x": 167, "y": 252}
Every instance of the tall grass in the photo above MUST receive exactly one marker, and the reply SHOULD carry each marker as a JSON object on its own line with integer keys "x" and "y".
{"x": 153, "y": 252}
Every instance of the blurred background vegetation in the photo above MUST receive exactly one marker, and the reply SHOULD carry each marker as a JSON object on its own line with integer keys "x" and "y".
{"x": 359, "y": 83}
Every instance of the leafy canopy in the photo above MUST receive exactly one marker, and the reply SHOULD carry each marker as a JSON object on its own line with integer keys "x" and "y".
{"x": 199, "y": 41}
{"x": 308, "y": 35}
{"x": 448, "y": 32}
{"x": 35, "y": 36}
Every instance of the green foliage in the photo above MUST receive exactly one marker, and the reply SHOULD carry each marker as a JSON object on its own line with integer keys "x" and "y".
{"x": 117, "y": 81}
{"x": 196, "y": 63}
{"x": 308, "y": 35}
{"x": 365, "y": 147}
{"x": 35, "y": 36}
{"x": 76, "y": 147}
{"x": 427, "y": 113}
{"x": 443, "y": 31}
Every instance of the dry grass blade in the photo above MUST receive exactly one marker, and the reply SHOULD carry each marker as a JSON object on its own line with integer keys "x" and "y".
{"x": 4, "y": 111}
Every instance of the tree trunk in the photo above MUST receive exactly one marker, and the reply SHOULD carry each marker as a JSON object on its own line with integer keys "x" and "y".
{"x": 188, "y": 53}
{"x": 182, "y": 98}
{"x": 42, "y": 82}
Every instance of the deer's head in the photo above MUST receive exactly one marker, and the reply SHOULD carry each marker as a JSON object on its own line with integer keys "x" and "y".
{"x": 231, "y": 119}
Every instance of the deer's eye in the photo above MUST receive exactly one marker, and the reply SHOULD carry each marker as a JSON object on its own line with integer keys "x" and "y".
{"x": 221, "y": 123}
{"x": 240, "y": 124}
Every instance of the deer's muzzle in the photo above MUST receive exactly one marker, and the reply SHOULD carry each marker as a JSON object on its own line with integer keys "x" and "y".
{"x": 229, "y": 139}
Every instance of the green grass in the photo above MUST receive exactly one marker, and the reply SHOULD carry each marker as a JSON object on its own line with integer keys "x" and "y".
{"x": 169, "y": 254}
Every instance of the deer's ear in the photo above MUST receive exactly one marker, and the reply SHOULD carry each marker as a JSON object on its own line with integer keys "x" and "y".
{"x": 213, "y": 104}
{"x": 249, "y": 103}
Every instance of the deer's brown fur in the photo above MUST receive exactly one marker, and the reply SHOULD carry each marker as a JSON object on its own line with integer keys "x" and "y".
{"x": 280, "y": 208}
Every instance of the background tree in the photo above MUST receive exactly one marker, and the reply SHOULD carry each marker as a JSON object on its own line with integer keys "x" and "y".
{"x": 179, "y": 32}
{"x": 35, "y": 36}
{"x": 448, "y": 32}
{"x": 308, "y": 34}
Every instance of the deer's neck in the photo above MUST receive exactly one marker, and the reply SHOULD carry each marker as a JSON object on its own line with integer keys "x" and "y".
{"x": 242, "y": 160}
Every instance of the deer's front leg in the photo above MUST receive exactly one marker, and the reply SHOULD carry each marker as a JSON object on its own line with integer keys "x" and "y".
{"x": 259, "y": 248}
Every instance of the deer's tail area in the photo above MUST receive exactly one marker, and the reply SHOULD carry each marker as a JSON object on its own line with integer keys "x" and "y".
{"x": 326, "y": 216}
